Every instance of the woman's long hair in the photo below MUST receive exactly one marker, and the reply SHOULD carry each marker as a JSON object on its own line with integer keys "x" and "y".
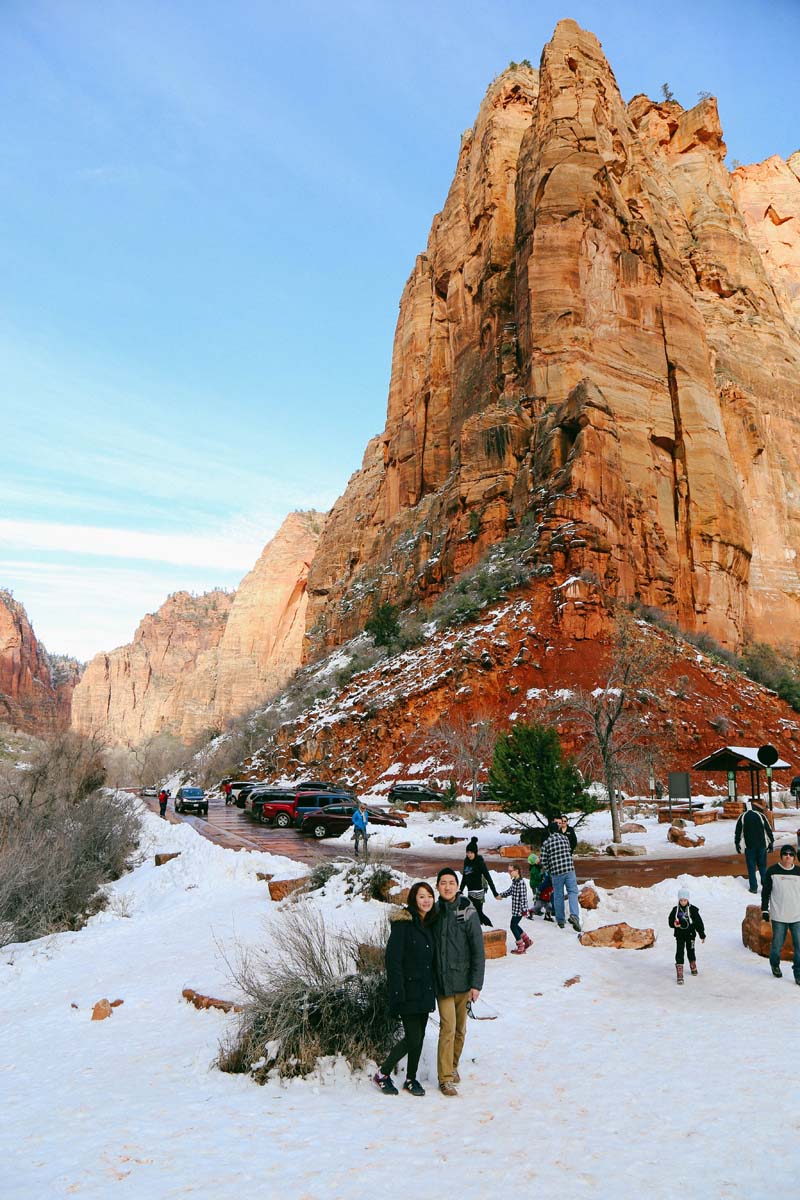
{"x": 412, "y": 901}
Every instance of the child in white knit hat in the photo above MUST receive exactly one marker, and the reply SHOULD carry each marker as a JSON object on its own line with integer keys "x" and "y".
{"x": 687, "y": 924}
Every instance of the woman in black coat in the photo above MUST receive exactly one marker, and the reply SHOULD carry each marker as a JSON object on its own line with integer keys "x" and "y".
{"x": 409, "y": 974}
{"x": 474, "y": 878}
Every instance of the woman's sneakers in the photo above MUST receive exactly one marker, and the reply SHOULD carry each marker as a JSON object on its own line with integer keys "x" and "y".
{"x": 384, "y": 1083}
{"x": 413, "y": 1087}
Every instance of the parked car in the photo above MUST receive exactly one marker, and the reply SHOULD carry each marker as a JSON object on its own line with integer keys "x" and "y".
{"x": 334, "y": 819}
{"x": 284, "y": 813}
{"x": 316, "y": 785}
{"x": 240, "y": 789}
{"x": 411, "y": 793}
{"x": 255, "y": 799}
{"x": 149, "y": 791}
{"x": 191, "y": 799}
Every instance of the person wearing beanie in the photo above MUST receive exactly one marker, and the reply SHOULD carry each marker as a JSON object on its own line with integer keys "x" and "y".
{"x": 459, "y": 964}
{"x": 475, "y": 875}
{"x": 687, "y": 924}
{"x": 780, "y": 903}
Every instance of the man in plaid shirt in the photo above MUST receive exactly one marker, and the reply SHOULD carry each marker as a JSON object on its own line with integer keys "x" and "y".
{"x": 557, "y": 861}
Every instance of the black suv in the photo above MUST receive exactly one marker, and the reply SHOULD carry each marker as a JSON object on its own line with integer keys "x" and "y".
{"x": 794, "y": 786}
{"x": 411, "y": 793}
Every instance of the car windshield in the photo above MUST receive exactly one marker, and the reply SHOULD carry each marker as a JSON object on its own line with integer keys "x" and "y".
{"x": 188, "y": 793}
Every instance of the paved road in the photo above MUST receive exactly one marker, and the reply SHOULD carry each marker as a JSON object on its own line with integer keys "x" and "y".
{"x": 231, "y": 828}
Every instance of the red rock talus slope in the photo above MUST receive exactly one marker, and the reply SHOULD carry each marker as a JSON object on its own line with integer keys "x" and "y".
{"x": 202, "y": 659}
{"x": 513, "y": 665}
{"x": 601, "y": 335}
{"x": 35, "y": 690}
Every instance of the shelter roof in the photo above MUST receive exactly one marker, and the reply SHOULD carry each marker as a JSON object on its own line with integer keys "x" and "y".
{"x": 736, "y": 758}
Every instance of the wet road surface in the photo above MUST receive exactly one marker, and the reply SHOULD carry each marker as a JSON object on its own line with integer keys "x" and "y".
{"x": 231, "y": 828}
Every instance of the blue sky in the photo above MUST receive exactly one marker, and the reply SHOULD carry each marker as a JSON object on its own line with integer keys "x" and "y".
{"x": 207, "y": 214}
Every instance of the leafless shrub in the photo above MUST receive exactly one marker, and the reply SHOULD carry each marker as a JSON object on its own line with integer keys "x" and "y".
{"x": 55, "y": 857}
{"x": 308, "y": 1000}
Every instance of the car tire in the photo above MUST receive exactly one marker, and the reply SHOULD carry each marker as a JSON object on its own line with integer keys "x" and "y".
{"x": 178, "y": 808}
{"x": 319, "y": 831}
{"x": 283, "y": 820}
{"x": 205, "y": 810}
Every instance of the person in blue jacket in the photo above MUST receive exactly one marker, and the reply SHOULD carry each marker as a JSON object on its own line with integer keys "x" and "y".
{"x": 360, "y": 821}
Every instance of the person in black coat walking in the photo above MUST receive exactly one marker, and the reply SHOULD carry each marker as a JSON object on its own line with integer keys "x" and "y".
{"x": 687, "y": 924}
{"x": 410, "y": 980}
{"x": 759, "y": 840}
{"x": 474, "y": 877}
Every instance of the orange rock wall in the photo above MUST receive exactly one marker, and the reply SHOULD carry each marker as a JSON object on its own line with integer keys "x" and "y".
{"x": 601, "y": 337}
{"x": 35, "y": 693}
{"x": 200, "y": 660}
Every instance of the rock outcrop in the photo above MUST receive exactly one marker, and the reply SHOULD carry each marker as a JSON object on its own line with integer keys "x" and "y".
{"x": 202, "y": 659}
{"x": 601, "y": 339}
{"x": 35, "y": 687}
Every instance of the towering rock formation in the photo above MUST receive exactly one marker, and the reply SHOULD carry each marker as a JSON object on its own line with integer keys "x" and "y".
{"x": 202, "y": 659}
{"x": 602, "y": 338}
{"x": 35, "y": 687}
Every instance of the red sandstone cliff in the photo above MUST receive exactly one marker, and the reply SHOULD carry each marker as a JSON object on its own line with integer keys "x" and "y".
{"x": 35, "y": 688}
{"x": 202, "y": 659}
{"x": 601, "y": 337}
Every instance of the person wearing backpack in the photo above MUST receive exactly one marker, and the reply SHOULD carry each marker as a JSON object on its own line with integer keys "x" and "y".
{"x": 759, "y": 839}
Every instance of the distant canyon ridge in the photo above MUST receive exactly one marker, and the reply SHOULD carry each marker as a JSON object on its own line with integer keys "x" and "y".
{"x": 601, "y": 339}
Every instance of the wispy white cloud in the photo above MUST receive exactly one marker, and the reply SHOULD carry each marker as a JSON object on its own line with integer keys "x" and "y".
{"x": 218, "y": 550}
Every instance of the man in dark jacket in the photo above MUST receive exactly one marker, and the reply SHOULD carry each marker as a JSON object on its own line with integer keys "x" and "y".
{"x": 758, "y": 837}
{"x": 459, "y": 968}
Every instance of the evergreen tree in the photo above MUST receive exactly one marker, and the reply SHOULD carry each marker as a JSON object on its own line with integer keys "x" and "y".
{"x": 531, "y": 774}
{"x": 383, "y": 626}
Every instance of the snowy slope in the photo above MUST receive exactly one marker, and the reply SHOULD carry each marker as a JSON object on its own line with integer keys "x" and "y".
{"x": 620, "y": 1085}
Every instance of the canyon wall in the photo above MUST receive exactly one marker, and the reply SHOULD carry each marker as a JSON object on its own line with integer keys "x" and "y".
{"x": 200, "y": 660}
{"x": 600, "y": 339}
{"x": 35, "y": 687}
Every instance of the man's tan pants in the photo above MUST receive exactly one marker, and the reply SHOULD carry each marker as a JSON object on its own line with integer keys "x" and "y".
{"x": 452, "y": 1032}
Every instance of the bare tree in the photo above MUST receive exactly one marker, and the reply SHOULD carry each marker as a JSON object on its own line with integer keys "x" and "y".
{"x": 619, "y": 741}
{"x": 468, "y": 744}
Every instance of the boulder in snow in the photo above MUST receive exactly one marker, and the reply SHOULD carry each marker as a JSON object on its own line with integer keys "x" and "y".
{"x": 164, "y": 858}
{"x": 517, "y": 851}
{"x": 625, "y": 850}
{"x": 588, "y": 897}
{"x": 494, "y": 943}
{"x": 279, "y": 889}
{"x": 632, "y": 827}
{"x": 102, "y": 1010}
{"x": 679, "y": 838}
{"x": 757, "y": 934}
{"x": 619, "y": 937}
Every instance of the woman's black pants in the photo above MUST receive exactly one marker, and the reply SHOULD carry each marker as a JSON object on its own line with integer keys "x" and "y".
{"x": 410, "y": 1044}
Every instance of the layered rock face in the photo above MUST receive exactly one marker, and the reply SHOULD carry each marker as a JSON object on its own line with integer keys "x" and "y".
{"x": 200, "y": 660}
{"x": 35, "y": 688}
{"x": 601, "y": 338}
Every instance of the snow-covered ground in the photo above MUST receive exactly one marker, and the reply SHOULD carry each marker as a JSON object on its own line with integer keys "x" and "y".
{"x": 618, "y": 1086}
{"x": 422, "y": 828}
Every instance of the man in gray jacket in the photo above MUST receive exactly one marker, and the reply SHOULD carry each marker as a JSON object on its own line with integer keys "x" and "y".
{"x": 458, "y": 967}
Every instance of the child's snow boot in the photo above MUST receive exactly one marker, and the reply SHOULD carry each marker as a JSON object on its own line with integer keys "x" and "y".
{"x": 679, "y": 971}
{"x": 520, "y": 948}
{"x": 693, "y": 967}
{"x": 527, "y": 941}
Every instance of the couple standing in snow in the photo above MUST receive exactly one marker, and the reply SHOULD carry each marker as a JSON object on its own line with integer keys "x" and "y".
{"x": 434, "y": 957}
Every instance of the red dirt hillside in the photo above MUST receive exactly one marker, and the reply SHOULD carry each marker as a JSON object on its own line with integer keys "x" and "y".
{"x": 509, "y": 665}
